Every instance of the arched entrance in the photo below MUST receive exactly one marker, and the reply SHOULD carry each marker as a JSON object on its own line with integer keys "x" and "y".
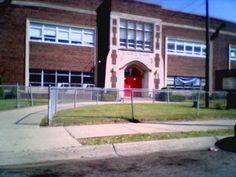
{"x": 133, "y": 78}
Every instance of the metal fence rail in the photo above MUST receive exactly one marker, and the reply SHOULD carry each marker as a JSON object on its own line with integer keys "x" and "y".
{"x": 66, "y": 98}
{"x": 16, "y": 96}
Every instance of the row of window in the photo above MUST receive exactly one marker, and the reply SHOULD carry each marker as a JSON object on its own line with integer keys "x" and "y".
{"x": 181, "y": 47}
{"x": 136, "y": 35}
{"x": 44, "y": 78}
{"x": 61, "y": 34}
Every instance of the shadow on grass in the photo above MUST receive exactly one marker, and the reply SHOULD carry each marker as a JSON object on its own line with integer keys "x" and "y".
{"x": 114, "y": 118}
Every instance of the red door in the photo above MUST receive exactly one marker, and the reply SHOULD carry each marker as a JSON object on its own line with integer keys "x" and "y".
{"x": 132, "y": 82}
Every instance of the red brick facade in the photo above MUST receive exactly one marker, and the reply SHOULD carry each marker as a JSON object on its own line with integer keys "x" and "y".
{"x": 43, "y": 56}
{"x": 61, "y": 57}
{"x": 74, "y": 58}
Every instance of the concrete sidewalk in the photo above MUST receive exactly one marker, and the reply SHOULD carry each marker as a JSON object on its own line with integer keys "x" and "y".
{"x": 22, "y": 142}
{"x": 88, "y": 131}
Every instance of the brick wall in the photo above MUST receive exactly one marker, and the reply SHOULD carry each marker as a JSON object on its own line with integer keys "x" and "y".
{"x": 183, "y": 65}
{"x": 61, "y": 57}
{"x": 12, "y": 46}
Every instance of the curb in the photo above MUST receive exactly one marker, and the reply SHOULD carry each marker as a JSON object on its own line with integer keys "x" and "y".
{"x": 86, "y": 153}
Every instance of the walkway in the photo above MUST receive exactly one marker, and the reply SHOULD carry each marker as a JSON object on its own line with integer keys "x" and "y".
{"x": 21, "y": 137}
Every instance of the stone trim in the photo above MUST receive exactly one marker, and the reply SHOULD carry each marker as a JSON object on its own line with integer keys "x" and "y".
{"x": 196, "y": 28}
{"x": 114, "y": 57}
{"x": 52, "y": 6}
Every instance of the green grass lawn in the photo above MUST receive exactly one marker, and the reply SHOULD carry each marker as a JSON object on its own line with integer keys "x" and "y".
{"x": 143, "y": 112}
{"x": 8, "y": 104}
{"x": 154, "y": 136}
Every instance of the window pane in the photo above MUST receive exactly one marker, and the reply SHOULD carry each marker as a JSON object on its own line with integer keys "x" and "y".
{"x": 180, "y": 48}
{"x": 139, "y": 26}
{"x": 123, "y": 23}
{"x": 148, "y": 27}
{"x": 50, "y": 33}
{"x": 35, "y": 31}
{"x": 131, "y": 38}
{"x": 88, "y": 37}
{"x": 233, "y": 53}
{"x": 36, "y": 34}
{"x": 123, "y": 37}
{"x": 131, "y": 25}
{"x": 197, "y": 49}
{"x": 76, "y": 37}
{"x": 171, "y": 46}
{"x": 63, "y": 35}
{"x": 189, "y": 49}
{"x": 147, "y": 37}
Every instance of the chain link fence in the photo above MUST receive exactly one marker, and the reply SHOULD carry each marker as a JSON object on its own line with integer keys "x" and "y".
{"x": 67, "y": 98}
{"x": 16, "y": 96}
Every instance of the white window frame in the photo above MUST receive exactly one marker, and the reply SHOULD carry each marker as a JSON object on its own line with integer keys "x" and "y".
{"x": 185, "y": 44}
{"x": 70, "y": 29}
{"x": 146, "y": 45}
{"x": 232, "y": 47}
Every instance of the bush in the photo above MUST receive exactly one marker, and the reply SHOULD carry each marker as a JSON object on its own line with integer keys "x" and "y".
{"x": 44, "y": 122}
{"x": 12, "y": 94}
{"x": 163, "y": 96}
{"x": 1, "y": 89}
{"x": 177, "y": 98}
{"x": 108, "y": 97}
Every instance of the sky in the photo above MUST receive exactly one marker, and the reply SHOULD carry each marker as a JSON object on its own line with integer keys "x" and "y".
{"x": 221, "y": 9}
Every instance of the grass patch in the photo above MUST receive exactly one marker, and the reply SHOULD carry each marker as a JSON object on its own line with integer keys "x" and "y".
{"x": 8, "y": 104}
{"x": 143, "y": 112}
{"x": 156, "y": 136}
{"x": 44, "y": 122}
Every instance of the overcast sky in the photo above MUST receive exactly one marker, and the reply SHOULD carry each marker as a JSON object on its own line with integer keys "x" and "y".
{"x": 222, "y": 9}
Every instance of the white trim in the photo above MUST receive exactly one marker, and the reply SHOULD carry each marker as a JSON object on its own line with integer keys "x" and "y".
{"x": 52, "y": 6}
{"x": 83, "y": 43}
{"x": 185, "y": 43}
{"x": 166, "y": 63}
{"x": 196, "y": 28}
{"x": 27, "y": 50}
{"x": 136, "y": 17}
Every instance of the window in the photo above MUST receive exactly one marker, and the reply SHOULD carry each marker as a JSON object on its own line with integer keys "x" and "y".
{"x": 136, "y": 35}
{"x": 44, "y": 78}
{"x": 88, "y": 37}
{"x": 35, "y": 31}
{"x": 49, "y": 33}
{"x": 186, "y": 48}
{"x": 76, "y": 36}
{"x": 61, "y": 34}
{"x": 232, "y": 52}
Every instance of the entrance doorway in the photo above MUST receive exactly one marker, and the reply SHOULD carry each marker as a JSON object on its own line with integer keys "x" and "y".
{"x": 133, "y": 79}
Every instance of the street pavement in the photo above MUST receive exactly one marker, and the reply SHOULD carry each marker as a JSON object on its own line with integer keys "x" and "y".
{"x": 23, "y": 141}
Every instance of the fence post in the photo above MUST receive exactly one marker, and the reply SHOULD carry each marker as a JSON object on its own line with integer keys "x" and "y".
{"x": 75, "y": 95}
{"x": 168, "y": 95}
{"x": 49, "y": 105}
{"x": 17, "y": 96}
{"x": 153, "y": 96}
{"x": 132, "y": 104}
{"x": 96, "y": 96}
{"x": 198, "y": 102}
{"x": 31, "y": 96}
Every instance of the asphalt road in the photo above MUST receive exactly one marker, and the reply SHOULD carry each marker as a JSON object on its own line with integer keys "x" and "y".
{"x": 185, "y": 164}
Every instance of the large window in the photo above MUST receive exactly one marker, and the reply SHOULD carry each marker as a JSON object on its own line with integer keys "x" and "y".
{"x": 186, "y": 48}
{"x": 232, "y": 52}
{"x": 61, "y": 34}
{"x": 136, "y": 35}
{"x": 44, "y": 78}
